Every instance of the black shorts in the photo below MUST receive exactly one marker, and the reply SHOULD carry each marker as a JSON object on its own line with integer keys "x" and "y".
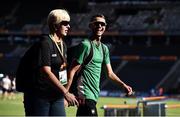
{"x": 5, "y": 90}
{"x": 87, "y": 109}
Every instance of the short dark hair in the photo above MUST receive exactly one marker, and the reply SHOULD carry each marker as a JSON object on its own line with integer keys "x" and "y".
{"x": 97, "y": 15}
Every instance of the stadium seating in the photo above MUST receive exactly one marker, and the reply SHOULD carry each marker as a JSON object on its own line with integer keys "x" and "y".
{"x": 140, "y": 36}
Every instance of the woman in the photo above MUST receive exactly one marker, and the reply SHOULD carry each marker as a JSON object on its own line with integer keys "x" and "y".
{"x": 47, "y": 96}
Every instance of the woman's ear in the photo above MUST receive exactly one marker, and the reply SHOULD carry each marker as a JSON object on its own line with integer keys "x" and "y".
{"x": 55, "y": 27}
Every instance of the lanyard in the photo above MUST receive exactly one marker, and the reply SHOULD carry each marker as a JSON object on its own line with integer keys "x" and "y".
{"x": 61, "y": 44}
{"x": 60, "y": 51}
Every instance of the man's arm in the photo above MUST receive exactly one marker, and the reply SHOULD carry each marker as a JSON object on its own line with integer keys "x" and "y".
{"x": 116, "y": 79}
{"x": 71, "y": 72}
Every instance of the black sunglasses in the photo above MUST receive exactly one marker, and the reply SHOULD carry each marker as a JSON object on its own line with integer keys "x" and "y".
{"x": 65, "y": 23}
{"x": 99, "y": 23}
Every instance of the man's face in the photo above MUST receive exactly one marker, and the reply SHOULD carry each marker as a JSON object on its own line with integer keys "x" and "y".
{"x": 98, "y": 26}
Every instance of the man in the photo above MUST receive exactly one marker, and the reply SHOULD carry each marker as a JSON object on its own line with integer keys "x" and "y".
{"x": 6, "y": 87}
{"x": 88, "y": 84}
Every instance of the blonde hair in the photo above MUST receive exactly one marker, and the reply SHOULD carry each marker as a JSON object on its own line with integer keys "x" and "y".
{"x": 55, "y": 17}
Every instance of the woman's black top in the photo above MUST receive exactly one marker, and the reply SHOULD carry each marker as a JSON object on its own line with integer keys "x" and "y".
{"x": 48, "y": 55}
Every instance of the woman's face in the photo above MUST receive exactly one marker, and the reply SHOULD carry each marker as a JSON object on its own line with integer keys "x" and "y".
{"x": 63, "y": 28}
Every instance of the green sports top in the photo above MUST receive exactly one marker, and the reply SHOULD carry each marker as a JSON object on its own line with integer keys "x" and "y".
{"x": 88, "y": 84}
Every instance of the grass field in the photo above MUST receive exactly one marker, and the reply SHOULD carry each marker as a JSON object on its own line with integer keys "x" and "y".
{"x": 15, "y": 107}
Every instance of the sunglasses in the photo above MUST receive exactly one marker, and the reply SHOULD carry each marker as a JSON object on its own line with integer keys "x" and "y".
{"x": 99, "y": 23}
{"x": 65, "y": 23}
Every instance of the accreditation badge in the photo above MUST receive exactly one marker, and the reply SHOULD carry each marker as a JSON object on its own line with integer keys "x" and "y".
{"x": 63, "y": 77}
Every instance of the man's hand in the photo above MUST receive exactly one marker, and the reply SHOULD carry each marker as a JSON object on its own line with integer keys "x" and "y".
{"x": 128, "y": 89}
{"x": 71, "y": 99}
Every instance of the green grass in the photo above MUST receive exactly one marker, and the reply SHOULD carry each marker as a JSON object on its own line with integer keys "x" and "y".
{"x": 12, "y": 107}
{"x": 15, "y": 107}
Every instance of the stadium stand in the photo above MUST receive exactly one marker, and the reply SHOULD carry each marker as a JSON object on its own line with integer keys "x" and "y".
{"x": 143, "y": 36}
